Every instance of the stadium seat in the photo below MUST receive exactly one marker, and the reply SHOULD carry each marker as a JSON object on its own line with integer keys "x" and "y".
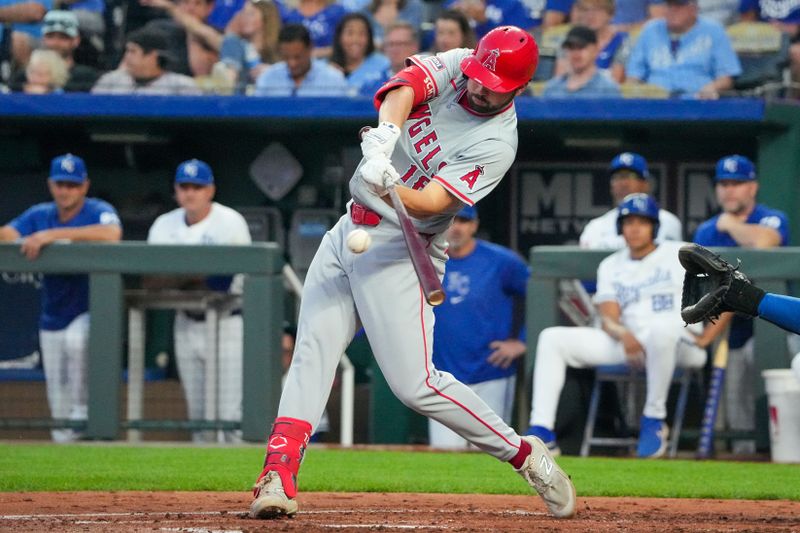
{"x": 549, "y": 46}
{"x": 763, "y": 51}
{"x": 307, "y": 229}
{"x": 630, "y": 384}
{"x": 265, "y": 224}
{"x": 643, "y": 90}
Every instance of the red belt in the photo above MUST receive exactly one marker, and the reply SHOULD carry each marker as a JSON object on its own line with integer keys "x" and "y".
{"x": 363, "y": 215}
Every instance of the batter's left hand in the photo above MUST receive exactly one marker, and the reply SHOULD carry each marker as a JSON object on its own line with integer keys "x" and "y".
{"x": 505, "y": 352}
{"x": 32, "y": 245}
{"x": 379, "y": 174}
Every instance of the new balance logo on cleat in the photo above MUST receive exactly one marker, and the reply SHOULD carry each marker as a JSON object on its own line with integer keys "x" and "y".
{"x": 547, "y": 478}
{"x": 546, "y": 465}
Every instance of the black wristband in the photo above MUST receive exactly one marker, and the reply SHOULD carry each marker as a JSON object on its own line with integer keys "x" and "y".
{"x": 744, "y": 297}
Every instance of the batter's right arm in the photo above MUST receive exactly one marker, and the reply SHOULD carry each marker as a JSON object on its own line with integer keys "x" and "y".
{"x": 397, "y": 105}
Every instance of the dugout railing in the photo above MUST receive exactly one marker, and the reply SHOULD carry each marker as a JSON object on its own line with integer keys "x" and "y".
{"x": 107, "y": 264}
{"x": 772, "y": 269}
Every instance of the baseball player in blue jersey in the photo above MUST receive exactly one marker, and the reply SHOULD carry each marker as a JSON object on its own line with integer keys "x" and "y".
{"x": 477, "y": 337}
{"x": 64, "y": 322}
{"x": 447, "y": 134}
{"x": 742, "y": 222}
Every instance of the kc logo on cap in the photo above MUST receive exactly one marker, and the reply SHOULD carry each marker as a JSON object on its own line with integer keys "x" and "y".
{"x": 68, "y": 167}
{"x": 194, "y": 171}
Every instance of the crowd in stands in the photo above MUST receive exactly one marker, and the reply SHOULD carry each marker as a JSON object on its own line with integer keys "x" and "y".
{"x": 588, "y": 48}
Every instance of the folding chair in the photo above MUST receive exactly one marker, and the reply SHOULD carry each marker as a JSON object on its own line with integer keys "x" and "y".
{"x": 629, "y": 382}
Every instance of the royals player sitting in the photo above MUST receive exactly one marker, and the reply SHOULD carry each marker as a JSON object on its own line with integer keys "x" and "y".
{"x": 638, "y": 298}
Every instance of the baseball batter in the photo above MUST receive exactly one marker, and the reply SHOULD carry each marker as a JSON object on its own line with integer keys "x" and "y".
{"x": 446, "y": 137}
{"x": 638, "y": 298}
{"x": 200, "y": 220}
{"x": 629, "y": 174}
{"x": 64, "y": 322}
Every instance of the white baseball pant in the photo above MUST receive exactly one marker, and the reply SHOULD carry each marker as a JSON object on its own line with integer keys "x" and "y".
{"x": 192, "y": 355}
{"x": 739, "y": 392}
{"x": 65, "y": 354}
{"x": 498, "y": 395}
{"x": 380, "y": 290}
{"x": 666, "y": 346}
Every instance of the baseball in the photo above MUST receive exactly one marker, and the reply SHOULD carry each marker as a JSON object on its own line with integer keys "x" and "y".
{"x": 358, "y": 240}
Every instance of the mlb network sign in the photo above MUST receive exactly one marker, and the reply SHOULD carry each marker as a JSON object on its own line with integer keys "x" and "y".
{"x": 554, "y": 201}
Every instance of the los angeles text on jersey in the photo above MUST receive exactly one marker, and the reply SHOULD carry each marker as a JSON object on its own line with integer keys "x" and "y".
{"x": 427, "y": 152}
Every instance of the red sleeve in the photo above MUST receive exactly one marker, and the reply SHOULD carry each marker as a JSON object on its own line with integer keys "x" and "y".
{"x": 412, "y": 76}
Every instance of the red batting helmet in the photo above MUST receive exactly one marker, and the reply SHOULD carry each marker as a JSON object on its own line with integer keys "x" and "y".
{"x": 504, "y": 60}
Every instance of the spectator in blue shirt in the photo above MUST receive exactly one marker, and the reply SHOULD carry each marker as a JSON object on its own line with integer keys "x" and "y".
{"x": 479, "y": 335}
{"x": 402, "y": 41}
{"x": 690, "y": 56}
{"x": 783, "y": 14}
{"x": 485, "y": 15}
{"x": 612, "y": 43}
{"x": 583, "y": 79}
{"x": 299, "y": 74}
{"x": 320, "y": 17}
{"x": 354, "y": 52}
{"x": 64, "y": 322}
{"x": 250, "y": 44}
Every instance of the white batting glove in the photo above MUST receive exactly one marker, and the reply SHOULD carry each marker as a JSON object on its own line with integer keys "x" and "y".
{"x": 379, "y": 141}
{"x": 379, "y": 174}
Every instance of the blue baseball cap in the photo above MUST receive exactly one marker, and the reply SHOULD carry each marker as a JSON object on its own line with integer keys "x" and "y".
{"x": 68, "y": 167}
{"x": 194, "y": 171}
{"x": 630, "y": 161}
{"x": 468, "y": 212}
{"x": 735, "y": 167}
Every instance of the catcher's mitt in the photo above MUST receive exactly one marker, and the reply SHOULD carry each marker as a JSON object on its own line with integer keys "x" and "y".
{"x": 713, "y": 286}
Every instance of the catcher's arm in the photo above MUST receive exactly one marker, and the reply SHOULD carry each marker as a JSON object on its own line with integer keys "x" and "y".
{"x": 783, "y": 311}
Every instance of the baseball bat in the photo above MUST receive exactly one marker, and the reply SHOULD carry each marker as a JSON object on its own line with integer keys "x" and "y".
{"x": 426, "y": 273}
{"x": 705, "y": 445}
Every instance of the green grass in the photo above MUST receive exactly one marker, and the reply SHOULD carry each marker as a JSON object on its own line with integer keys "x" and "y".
{"x": 45, "y": 467}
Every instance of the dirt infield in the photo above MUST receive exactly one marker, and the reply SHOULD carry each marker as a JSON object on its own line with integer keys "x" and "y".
{"x": 199, "y": 512}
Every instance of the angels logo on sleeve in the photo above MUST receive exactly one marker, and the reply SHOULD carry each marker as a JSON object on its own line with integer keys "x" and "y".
{"x": 472, "y": 176}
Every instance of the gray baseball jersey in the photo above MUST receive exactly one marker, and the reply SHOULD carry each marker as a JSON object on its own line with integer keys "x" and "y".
{"x": 467, "y": 154}
{"x": 446, "y": 142}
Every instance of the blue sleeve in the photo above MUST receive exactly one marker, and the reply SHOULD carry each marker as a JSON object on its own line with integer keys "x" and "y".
{"x": 25, "y": 224}
{"x": 637, "y": 62}
{"x": 726, "y": 62}
{"x": 104, "y": 213}
{"x": 518, "y": 15}
{"x": 701, "y": 236}
{"x": 515, "y": 276}
{"x": 562, "y": 6}
{"x": 745, "y": 6}
{"x": 783, "y": 229}
{"x": 783, "y": 311}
